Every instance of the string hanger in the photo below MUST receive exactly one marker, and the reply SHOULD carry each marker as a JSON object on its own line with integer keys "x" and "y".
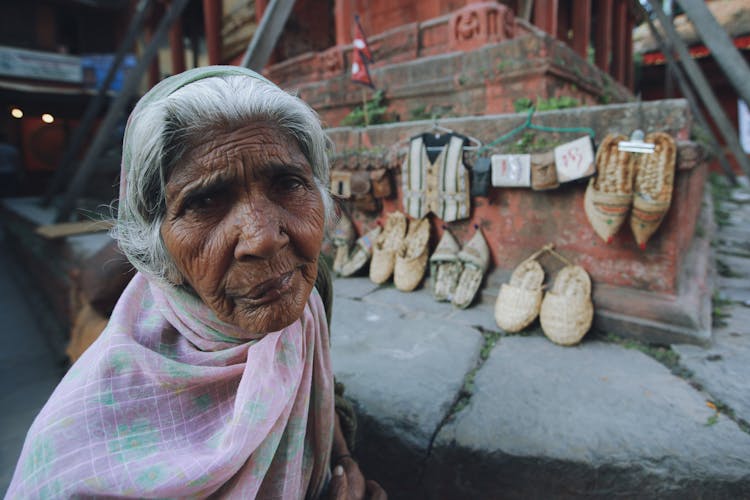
{"x": 437, "y": 128}
{"x": 549, "y": 248}
{"x": 542, "y": 128}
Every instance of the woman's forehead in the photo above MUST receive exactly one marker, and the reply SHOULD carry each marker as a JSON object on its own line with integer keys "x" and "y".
{"x": 255, "y": 147}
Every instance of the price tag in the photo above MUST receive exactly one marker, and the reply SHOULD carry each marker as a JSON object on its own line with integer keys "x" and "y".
{"x": 574, "y": 160}
{"x": 511, "y": 170}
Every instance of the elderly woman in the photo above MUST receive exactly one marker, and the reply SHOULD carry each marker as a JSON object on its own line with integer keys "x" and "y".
{"x": 213, "y": 376}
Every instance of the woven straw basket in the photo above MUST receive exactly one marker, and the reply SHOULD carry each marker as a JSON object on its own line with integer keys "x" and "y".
{"x": 567, "y": 311}
{"x": 610, "y": 193}
{"x": 654, "y": 183}
{"x": 411, "y": 259}
{"x": 385, "y": 248}
{"x": 518, "y": 303}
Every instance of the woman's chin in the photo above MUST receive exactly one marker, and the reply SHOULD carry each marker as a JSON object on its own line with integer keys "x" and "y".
{"x": 268, "y": 318}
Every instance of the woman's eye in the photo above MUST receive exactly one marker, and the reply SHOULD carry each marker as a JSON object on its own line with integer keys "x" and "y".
{"x": 290, "y": 183}
{"x": 201, "y": 203}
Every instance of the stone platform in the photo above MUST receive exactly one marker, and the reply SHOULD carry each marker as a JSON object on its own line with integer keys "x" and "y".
{"x": 660, "y": 294}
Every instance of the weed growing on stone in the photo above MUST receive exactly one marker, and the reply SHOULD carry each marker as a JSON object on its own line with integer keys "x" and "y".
{"x": 726, "y": 271}
{"x": 524, "y": 104}
{"x": 666, "y": 356}
{"x": 720, "y": 191}
{"x": 722, "y": 408}
{"x": 377, "y": 112}
{"x": 661, "y": 353}
{"x": 467, "y": 388}
{"x": 719, "y": 314}
{"x": 431, "y": 112}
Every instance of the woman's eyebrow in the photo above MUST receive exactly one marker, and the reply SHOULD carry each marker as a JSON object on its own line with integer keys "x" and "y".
{"x": 284, "y": 168}
{"x": 215, "y": 181}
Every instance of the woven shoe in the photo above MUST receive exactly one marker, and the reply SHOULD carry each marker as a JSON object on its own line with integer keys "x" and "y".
{"x": 654, "y": 183}
{"x": 361, "y": 252}
{"x": 610, "y": 193}
{"x": 567, "y": 311}
{"x": 343, "y": 237}
{"x": 475, "y": 257}
{"x": 445, "y": 268}
{"x": 386, "y": 245}
{"x": 518, "y": 302}
{"x": 411, "y": 259}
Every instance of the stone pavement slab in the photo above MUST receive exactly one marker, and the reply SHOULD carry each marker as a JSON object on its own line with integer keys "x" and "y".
{"x": 723, "y": 369}
{"x": 420, "y": 304}
{"x": 404, "y": 373}
{"x": 354, "y": 288}
{"x": 597, "y": 418}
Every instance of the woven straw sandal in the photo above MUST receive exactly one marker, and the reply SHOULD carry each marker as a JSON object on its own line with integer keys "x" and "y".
{"x": 567, "y": 311}
{"x": 517, "y": 304}
{"x": 361, "y": 252}
{"x": 654, "y": 182}
{"x": 411, "y": 259}
{"x": 385, "y": 248}
{"x": 610, "y": 192}
{"x": 343, "y": 237}
{"x": 475, "y": 257}
{"x": 445, "y": 268}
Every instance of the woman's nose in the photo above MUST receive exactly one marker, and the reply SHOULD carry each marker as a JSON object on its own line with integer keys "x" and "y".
{"x": 261, "y": 233}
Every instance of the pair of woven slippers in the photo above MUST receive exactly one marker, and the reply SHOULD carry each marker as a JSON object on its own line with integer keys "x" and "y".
{"x": 565, "y": 311}
{"x": 458, "y": 273}
{"x": 401, "y": 251}
{"x": 349, "y": 260}
{"x": 624, "y": 179}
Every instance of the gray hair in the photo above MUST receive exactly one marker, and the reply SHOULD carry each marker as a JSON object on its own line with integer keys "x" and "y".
{"x": 163, "y": 131}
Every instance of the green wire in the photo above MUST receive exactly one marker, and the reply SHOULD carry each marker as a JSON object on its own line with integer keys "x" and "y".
{"x": 542, "y": 128}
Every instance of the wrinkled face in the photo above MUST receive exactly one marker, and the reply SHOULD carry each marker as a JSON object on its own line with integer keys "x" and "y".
{"x": 244, "y": 225}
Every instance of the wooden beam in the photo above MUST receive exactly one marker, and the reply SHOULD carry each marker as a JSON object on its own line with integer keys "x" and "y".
{"x": 344, "y": 19}
{"x": 212, "y": 25}
{"x": 722, "y": 49}
{"x": 692, "y": 100}
{"x": 619, "y": 41}
{"x": 115, "y": 111}
{"x": 630, "y": 64}
{"x": 603, "y": 34}
{"x": 703, "y": 88}
{"x": 84, "y": 127}
{"x": 268, "y": 32}
{"x": 545, "y": 16}
{"x": 581, "y": 27}
{"x": 177, "y": 48}
{"x": 64, "y": 229}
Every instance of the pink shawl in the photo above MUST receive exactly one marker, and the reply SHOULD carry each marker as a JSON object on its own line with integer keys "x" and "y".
{"x": 167, "y": 404}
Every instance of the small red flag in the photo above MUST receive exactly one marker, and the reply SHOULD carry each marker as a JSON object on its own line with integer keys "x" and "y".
{"x": 360, "y": 41}
{"x": 361, "y": 56}
{"x": 360, "y": 74}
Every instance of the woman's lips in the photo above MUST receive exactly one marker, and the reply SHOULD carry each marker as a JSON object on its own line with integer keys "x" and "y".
{"x": 266, "y": 292}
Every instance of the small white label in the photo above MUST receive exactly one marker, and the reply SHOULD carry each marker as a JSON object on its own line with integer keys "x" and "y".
{"x": 511, "y": 170}
{"x": 574, "y": 160}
